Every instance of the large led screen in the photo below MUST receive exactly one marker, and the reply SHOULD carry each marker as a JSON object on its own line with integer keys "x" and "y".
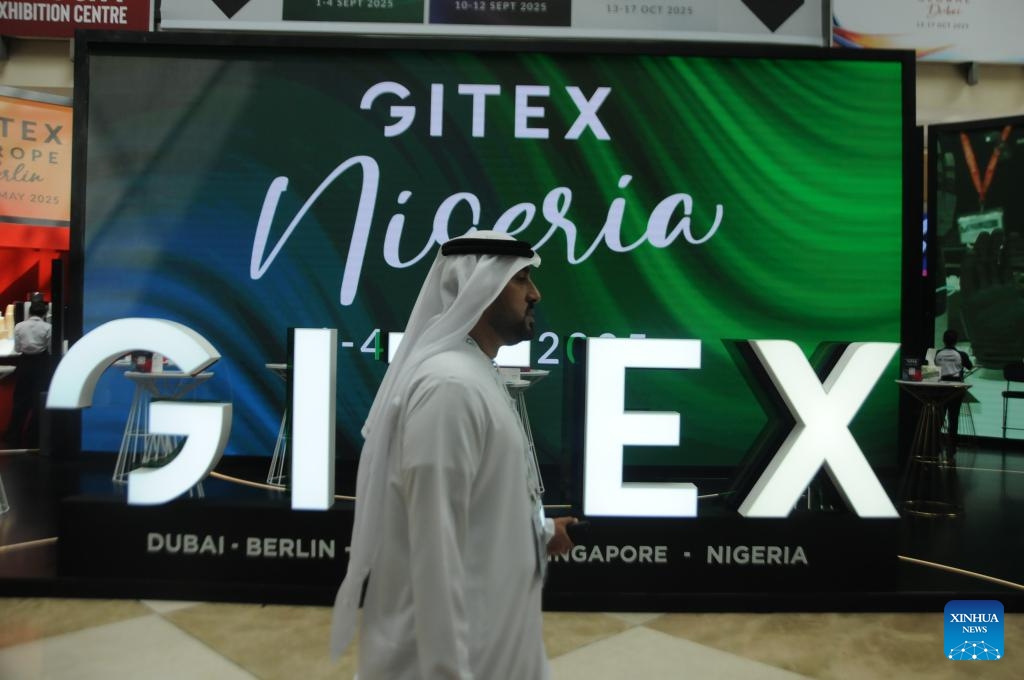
{"x": 673, "y": 191}
{"x": 976, "y": 170}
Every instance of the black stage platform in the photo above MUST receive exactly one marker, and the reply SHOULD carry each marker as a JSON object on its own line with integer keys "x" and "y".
{"x": 972, "y": 556}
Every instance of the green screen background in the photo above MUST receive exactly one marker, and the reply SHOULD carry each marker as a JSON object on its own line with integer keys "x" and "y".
{"x": 803, "y": 154}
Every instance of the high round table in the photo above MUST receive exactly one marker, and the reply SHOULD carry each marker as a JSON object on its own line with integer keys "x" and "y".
{"x": 138, "y": 445}
{"x": 929, "y": 485}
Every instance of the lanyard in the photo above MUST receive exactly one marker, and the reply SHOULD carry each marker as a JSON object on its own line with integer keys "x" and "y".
{"x": 972, "y": 163}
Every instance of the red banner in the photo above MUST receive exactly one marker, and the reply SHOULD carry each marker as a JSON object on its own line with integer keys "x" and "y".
{"x": 60, "y": 18}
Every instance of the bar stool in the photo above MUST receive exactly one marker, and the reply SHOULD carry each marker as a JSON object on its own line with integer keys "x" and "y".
{"x": 4, "y": 369}
{"x": 4, "y": 505}
{"x": 277, "y": 475}
{"x": 965, "y": 428}
{"x": 1012, "y": 373}
{"x": 517, "y": 388}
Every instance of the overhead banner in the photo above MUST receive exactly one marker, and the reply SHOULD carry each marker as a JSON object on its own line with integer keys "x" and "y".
{"x": 937, "y": 30}
{"x": 791, "y": 21}
{"x": 61, "y": 18}
{"x": 35, "y": 162}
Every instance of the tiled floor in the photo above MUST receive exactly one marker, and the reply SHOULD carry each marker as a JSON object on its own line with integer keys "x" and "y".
{"x": 84, "y": 639}
{"x": 81, "y": 639}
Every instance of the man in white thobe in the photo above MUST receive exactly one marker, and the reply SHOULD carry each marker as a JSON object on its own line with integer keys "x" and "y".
{"x": 449, "y": 526}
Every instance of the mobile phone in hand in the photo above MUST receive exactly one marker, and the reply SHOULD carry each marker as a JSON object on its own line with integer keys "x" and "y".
{"x": 579, "y": 532}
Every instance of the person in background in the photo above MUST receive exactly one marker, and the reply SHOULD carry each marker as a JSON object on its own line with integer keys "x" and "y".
{"x": 449, "y": 525}
{"x": 952, "y": 364}
{"x": 31, "y": 376}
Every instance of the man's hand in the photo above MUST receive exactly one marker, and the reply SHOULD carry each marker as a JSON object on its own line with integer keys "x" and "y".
{"x": 560, "y": 543}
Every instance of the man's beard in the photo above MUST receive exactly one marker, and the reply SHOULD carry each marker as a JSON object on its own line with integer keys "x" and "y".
{"x": 528, "y": 325}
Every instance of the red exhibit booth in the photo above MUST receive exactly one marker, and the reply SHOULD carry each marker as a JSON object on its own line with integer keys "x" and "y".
{"x": 35, "y": 188}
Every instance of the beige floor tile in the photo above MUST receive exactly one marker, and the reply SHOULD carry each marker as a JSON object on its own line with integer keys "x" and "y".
{"x": 647, "y": 654}
{"x": 83, "y": 639}
{"x": 566, "y": 631}
{"x": 839, "y": 646}
{"x": 148, "y": 647}
{"x": 167, "y": 606}
{"x": 271, "y": 642}
{"x": 634, "y": 618}
{"x": 26, "y": 619}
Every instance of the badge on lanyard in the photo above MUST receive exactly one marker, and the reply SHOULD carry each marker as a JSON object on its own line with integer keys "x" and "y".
{"x": 539, "y": 541}
{"x": 970, "y": 225}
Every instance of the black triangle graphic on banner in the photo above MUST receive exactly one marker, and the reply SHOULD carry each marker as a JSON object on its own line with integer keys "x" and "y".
{"x": 231, "y": 7}
{"x": 773, "y": 13}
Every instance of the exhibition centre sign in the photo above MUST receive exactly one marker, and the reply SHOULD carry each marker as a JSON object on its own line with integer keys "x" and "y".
{"x": 61, "y": 18}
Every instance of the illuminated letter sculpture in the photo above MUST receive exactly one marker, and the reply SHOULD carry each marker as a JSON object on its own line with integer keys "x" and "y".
{"x": 821, "y": 436}
{"x": 206, "y": 426}
{"x": 609, "y": 427}
{"x": 314, "y": 375}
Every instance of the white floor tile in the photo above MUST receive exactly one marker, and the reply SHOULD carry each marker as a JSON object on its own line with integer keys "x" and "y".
{"x": 648, "y": 654}
{"x": 167, "y": 606}
{"x": 147, "y": 647}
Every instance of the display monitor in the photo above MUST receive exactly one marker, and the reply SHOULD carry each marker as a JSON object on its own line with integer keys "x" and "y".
{"x": 976, "y": 169}
{"x": 243, "y": 186}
